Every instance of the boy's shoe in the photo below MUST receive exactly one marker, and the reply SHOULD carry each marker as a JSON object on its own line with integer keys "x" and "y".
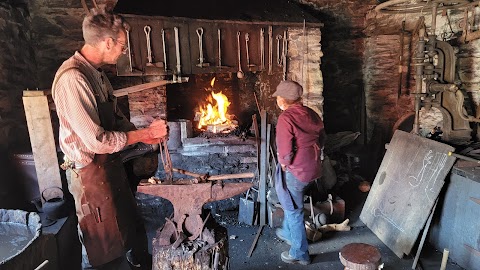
{"x": 289, "y": 259}
{"x": 278, "y": 232}
{"x": 132, "y": 260}
{"x": 138, "y": 264}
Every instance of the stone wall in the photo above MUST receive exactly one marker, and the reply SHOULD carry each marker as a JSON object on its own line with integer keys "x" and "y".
{"x": 342, "y": 64}
{"x": 17, "y": 70}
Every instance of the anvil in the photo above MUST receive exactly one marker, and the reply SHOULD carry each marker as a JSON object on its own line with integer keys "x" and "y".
{"x": 188, "y": 200}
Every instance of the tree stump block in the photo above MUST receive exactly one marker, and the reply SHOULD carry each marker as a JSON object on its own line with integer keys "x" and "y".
{"x": 207, "y": 252}
{"x": 359, "y": 256}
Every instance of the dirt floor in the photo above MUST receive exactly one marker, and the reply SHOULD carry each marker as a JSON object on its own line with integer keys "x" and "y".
{"x": 324, "y": 253}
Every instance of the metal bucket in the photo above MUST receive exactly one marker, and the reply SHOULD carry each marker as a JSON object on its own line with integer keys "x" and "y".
{"x": 178, "y": 130}
{"x": 18, "y": 231}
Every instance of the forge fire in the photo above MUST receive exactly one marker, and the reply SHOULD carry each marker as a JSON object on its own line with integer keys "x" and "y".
{"x": 213, "y": 115}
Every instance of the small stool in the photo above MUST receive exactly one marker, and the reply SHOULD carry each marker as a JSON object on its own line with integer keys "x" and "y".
{"x": 359, "y": 256}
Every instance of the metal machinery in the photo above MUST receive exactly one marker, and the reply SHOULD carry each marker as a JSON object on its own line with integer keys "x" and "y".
{"x": 434, "y": 61}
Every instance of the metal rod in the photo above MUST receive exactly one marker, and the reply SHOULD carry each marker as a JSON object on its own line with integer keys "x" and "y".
{"x": 219, "y": 48}
{"x": 259, "y": 232}
{"x": 42, "y": 265}
{"x": 419, "y": 62}
{"x": 164, "y": 50}
{"x": 270, "y": 49}
{"x": 424, "y": 235}
{"x": 463, "y": 157}
{"x": 443, "y": 266}
{"x": 129, "y": 51}
{"x": 262, "y": 48}
{"x": 177, "y": 51}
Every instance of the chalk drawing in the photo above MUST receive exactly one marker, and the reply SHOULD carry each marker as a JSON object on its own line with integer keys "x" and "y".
{"x": 385, "y": 211}
{"x": 432, "y": 165}
{"x": 417, "y": 180}
{"x": 431, "y": 189}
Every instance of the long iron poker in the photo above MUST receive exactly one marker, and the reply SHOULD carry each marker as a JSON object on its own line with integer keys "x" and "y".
{"x": 129, "y": 51}
{"x": 177, "y": 51}
{"x": 262, "y": 49}
{"x": 270, "y": 49}
{"x": 164, "y": 51}
{"x": 284, "y": 54}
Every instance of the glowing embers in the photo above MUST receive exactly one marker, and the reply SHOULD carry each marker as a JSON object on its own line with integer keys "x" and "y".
{"x": 213, "y": 115}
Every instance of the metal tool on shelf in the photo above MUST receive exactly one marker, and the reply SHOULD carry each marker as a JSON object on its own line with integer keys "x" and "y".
{"x": 201, "y": 59}
{"x": 147, "y": 29}
{"x": 240, "y": 73}
{"x": 219, "y": 35}
{"x": 129, "y": 51}
{"x": 177, "y": 75}
{"x": 284, "y": 54}
{"x": 262, "y": 48}
{"x": 247, "y": 39}
{"x": 270, "y": 49}
{"x": 165, "y": 66}
{"x": 279, "y": 57}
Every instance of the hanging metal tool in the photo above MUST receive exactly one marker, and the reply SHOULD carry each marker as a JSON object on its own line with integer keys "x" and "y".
{"x": 239, "y": 72}
{"x": 129, "y": 51}
{"x": 262, "y": 49}
{"x": 164, "y": 51}
{"x": 147, "y": 29}
{"x": 219, "y": 35}
{"x": 284, "y": 54}
{"x": 270, "y": 49}
{"x": 279, "y": 58}
{"x": 201, "y": 59}
{"x": 247, "y": 39}
{"x": 177, "y": 53}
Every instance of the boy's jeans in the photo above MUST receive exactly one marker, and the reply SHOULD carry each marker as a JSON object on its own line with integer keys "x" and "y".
{"x": 293, "y": 227}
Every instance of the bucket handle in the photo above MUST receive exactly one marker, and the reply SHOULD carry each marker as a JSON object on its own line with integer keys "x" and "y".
{"x": 43, "y": 193}
{"x": 248, "y": 192}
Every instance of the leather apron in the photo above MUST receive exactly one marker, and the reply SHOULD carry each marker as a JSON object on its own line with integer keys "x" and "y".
{"x": 104, "y": 204}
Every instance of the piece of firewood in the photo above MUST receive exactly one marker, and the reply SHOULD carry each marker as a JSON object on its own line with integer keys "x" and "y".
{"x": 338, "y": 227}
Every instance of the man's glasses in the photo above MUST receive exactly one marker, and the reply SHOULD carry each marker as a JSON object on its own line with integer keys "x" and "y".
{"x": 124, "y": 45}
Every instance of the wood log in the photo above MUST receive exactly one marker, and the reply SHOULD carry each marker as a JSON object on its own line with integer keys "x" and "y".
{"x": 341, "y": 227}
{"x": 360, "y": 256}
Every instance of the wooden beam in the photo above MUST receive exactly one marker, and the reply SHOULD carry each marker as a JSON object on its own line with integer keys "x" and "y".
{"x": 138, "y": 88}
{"x": 262, "y": 189}
{"x": 40, "y": 128}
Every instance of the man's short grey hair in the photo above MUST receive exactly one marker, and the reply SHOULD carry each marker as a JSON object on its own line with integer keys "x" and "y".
{"x": 100, "y": 24}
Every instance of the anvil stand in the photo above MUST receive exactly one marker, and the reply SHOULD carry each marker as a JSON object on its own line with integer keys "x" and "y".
{"x": 185, "y": 242}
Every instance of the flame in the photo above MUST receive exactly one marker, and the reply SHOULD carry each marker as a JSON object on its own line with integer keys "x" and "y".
{"x": 214, "y": 113}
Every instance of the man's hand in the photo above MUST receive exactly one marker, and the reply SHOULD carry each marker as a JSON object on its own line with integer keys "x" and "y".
{"x": 284, "y": 167}
{"x": 153, "y": 134}
{"x": 158, "y": 129}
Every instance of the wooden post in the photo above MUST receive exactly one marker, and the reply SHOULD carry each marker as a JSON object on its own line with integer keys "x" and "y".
{"x": 262, "y": 190}
{"x": 42, "y": 139}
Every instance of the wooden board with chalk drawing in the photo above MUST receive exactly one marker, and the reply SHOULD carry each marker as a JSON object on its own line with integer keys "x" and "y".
{"x": 405, "y": 188}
